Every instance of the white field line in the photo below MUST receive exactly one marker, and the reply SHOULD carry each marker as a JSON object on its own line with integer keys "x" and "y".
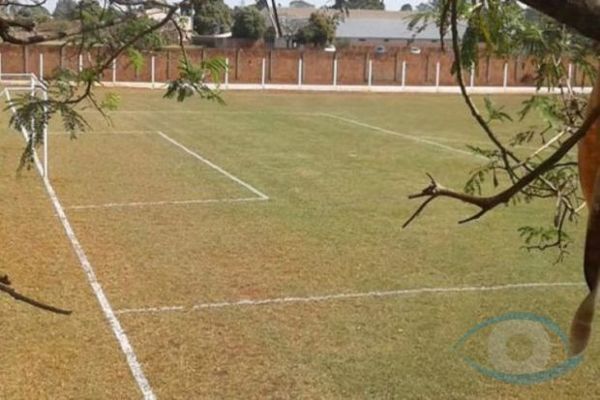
{"x": 214, "y": 166}
{"x": 92, "y": 133}
{"x": 465, "y": 142}
{"x": 164, "y": 203}
{"x": 107, "y": 309}
{"x": 346, "y": 296}
{"x": 403, "y": 135}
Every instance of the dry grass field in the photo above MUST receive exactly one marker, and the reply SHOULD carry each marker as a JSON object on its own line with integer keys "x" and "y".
{"x": 255, "y": 251}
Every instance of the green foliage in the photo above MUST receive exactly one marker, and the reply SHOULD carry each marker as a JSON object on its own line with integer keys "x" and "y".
{"x": 365, "y": 5}
{"x": 192, "y": 78}
{"x": 261, "y": 4}
{"x": 406, "y": 7}
{"x": 495, "y": 113}
{"x": 320, "y": 29}
{"x": 37, "y": 14}
{"x": 136, "y": 59}
{"x": 248, "y": 23}
{"x": 111, "y": 102}
{"x": 501, "y": 28}
{"x": 151, "y": 41}
{"x": 211, "y": 17}
{"x": 66, "y": 9}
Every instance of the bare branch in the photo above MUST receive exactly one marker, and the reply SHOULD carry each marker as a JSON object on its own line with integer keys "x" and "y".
{"x": 488, "y": 203}
{"x": 6, "y": 288}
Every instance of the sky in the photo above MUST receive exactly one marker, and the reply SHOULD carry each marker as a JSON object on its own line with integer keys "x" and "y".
{"x": 390, "y": 5}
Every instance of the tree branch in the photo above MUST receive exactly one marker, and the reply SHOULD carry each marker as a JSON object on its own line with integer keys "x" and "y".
{"x": 6, "y": 288}
{"x": 581, "y": 15}
{"x": 486, "y": 204}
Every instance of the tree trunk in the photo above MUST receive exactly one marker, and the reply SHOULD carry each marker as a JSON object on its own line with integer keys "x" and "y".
{"x": 589, "y": 175}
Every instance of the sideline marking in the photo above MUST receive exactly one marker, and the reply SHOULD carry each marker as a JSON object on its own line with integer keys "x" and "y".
{"x": 345, "y": 296}
{"x": 165, "y": 202}
{"x": 214, "y": 166}
{"x": 403, "y": 135}
{"x": 109, "y": 313}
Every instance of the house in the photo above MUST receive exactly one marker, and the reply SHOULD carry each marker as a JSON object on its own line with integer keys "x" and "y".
{"x": 301, "y": 4}
{"x": 184, "y": 21}
{"x": 370, "y": 28}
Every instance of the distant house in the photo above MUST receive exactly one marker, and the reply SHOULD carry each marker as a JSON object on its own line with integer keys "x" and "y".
{"x": 170, "y": 31}
{"x": 301, "y": 4}
{"x": 372, "y": 28}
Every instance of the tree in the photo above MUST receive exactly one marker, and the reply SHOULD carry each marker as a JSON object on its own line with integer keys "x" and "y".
{"x": 320, "y": 29}
{"x": 365, "y": 5}
{"x": 570, "y": 119}
{"x": 211, "y": 17}
{"x": 301, "y": 4}
{"x": 406, "y": 7}
{"x": 248, "y": 23}
{"x": 65, "y": 9}
{"x": 36, "y": 13}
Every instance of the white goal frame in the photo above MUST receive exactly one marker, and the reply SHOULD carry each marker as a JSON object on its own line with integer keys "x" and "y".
{"x": 28, "y": 83}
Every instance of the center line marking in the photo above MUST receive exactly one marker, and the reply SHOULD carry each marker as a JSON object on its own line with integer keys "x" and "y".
{"x": 345, "y": 296}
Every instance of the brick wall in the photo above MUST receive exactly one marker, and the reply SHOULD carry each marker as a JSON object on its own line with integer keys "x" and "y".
{"x": 281, "y": 65}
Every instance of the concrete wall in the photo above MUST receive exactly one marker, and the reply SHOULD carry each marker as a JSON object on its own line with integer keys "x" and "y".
{"x": 281, "y": 66}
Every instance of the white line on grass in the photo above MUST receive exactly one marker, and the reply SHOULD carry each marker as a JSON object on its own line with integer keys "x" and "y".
{"x": 214, "y": 166}
{"x": 464, "y": 142}
{"x": 92, "y": 133}
{"x": 163, "y": 203}
{"x": 345, "y": 296}
{"x": 403, "y": 135}
{"x": 126, "y": 348}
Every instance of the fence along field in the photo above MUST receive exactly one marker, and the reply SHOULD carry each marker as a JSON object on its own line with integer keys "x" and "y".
{"x": 399, "y": 68}
{"x": 315, "y": 293}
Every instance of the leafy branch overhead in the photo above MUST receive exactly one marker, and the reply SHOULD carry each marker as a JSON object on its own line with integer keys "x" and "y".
{"x": 550, "y": 171}
{"x": 569, "y": 119}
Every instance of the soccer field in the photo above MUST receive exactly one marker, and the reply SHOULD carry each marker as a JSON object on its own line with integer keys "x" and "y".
{"x": 255, "y": 250}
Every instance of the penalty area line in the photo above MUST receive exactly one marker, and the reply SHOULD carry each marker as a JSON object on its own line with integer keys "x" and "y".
{"x": 348, "y": 296}
{"x": 213, "y": 165}
{"x": 165, "y": 203}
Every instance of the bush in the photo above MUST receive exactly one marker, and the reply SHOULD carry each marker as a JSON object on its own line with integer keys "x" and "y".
{"x": 320, "y": 29}
{"x": 211, "y": 17}
{"x": 248, "y": 23}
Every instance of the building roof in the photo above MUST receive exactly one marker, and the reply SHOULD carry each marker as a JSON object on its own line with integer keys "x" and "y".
{"x": 371, "y": 24}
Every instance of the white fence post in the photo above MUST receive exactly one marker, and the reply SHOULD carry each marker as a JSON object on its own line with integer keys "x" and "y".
{"x": 472, "y": 78}
{"x": 226, "y": 73}
{"x": 41, "y": 67}
{"x": 80, "y": 62}
{"x": 437, "y": 75}
{"x": 370, "y": 73}
{"x": 45, "y": 141}
{"x": 263, "y": 73}
{"x": 505, "y": 81}
{"x": 299, "y": 72}
{"x": 335, "y": 68}
{"x": 152, "y": 70}
{"x": 0, "y": 66}
{"x": 570, "y": 75}
{"x": 404, "y": 73}
{"x": 114, "y": 70}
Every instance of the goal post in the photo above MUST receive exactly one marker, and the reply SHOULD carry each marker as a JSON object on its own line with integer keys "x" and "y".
{"x": 23, "y": 84}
